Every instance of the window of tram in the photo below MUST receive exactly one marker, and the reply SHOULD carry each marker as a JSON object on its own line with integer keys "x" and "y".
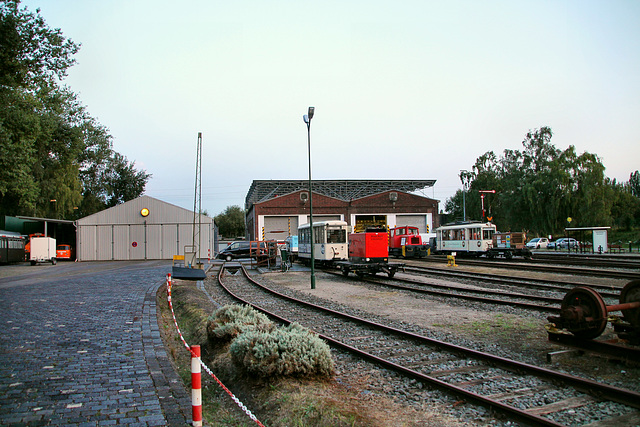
{"x": 304, "y": 236}
{"x": 475, "y": 234}
{"x": 487, "y": 234}
{"x": 336, "y": 236}
{"x": 458, "y": 234}
{"x": 318, "y": 234}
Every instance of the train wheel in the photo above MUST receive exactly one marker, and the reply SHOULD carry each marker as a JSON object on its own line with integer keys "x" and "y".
{"x": 585, "y": 311}
{"x": 391, "y": 274}
{"x": 631, "y": 293}
{"x": 345, "y": 272}
{"x": 360, "y": 274}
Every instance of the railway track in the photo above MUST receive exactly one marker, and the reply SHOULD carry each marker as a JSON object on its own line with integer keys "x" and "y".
{"x": 629, "y": 274}
{"x": 591, "y": 260}
{"x": 520, "y": 391}
{"x": 490, "y": 296}
{"x": 511, "y": 281}
{"x": 541, "y": 303}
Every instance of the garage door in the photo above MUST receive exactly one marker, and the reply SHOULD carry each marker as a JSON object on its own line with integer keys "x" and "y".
{"x": 279, "y": 227}
{"x": 419, "y": 221}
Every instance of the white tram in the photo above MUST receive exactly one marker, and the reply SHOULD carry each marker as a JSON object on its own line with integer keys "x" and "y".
{"x": 330, "y": 241}
{"x": 473, "y": 238}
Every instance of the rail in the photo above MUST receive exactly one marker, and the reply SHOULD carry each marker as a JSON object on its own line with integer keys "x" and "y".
{"x": 627, "y": 397}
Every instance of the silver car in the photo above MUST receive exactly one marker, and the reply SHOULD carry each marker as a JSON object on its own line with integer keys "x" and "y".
{"x": 538, "y": 243}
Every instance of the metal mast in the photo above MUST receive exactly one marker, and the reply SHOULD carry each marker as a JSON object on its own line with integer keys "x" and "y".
{"x": 197, "y": 202}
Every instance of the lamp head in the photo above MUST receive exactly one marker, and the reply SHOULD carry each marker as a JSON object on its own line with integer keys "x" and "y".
{"x": 306, "y": 119}
{"x": 311, "y": 111}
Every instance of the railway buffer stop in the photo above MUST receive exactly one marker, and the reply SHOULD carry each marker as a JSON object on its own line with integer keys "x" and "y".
{"x": 599, "y": 238}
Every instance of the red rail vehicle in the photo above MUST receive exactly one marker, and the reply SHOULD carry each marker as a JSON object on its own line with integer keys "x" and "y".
{"x": 368, "y": 247}
{"x": 369, "y": 254}
{"x": 406, "y": 242}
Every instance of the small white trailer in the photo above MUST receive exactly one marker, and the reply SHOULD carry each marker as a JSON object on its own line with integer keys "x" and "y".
{"x": 43, "y": 249}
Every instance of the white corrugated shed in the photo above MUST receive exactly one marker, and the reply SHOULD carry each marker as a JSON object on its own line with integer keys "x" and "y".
{"x": 143, "y": 228}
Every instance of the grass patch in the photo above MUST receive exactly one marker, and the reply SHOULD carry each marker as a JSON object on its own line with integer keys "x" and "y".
{"x": 504, "y": 327}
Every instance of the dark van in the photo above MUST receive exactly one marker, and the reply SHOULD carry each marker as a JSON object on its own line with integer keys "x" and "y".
{"x": 241, "y": 249}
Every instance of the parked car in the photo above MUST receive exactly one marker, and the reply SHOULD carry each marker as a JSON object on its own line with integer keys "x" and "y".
{"x": 242, "y": 249}
{"x": 563, "y": 242}
{"x": 570, "y": 242}
{"x": 64, "y": 251}
{"x": 538, "y": 242}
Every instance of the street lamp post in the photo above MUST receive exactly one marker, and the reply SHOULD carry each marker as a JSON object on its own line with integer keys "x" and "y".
{"x": 307, "y": 119}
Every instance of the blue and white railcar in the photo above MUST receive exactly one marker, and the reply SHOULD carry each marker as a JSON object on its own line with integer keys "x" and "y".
{"x": 473, "y": 238}
{"x": 330, "y": 241}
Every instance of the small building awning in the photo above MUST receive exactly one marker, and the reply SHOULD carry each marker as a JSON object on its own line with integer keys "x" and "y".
{"x": 586, "y": 228}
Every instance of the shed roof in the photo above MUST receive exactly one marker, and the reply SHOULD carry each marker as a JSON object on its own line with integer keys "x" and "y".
{"x": 343, "y": 189}
{"x": 129, "y": 213}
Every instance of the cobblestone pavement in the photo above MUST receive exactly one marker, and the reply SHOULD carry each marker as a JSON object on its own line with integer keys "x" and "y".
{"x": 81, "y": 346}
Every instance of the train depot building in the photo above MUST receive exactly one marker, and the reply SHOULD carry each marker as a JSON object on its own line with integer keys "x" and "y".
{"x": 274, "y": 209}
{"x": 141, "y": 229}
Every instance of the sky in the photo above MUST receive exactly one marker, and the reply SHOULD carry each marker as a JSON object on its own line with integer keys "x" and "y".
{"x": 402, "y": 90}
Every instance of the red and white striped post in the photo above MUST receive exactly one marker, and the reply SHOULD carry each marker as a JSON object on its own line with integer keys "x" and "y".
{"x": 196, "y": 387}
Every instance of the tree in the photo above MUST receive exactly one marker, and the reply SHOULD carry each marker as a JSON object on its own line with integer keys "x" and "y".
{"x": 539, "y": 187}
{"x": 634, "y": 183}
{"x": 123, "y": 181}
{"x": 231, "y": 222}
{"x": 55, "y": 159}
{"x": 454, "y": 206}
{"x": 32, "y": 59}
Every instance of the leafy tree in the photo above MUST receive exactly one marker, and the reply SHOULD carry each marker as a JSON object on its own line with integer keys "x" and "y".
{"x": 625, "y": 208}
{"x": 55, "y": 159}
{"x": 634, "y": 183}
{"x": 122, "y": 180}
{"x": 231, "y": 222}
{"x": 538, "y": 187}
{"x": 454, "y": 206}
{"x": 32, "y": 59}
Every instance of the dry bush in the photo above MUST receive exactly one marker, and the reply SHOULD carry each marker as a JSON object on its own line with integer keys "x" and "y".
{"x": 290, "y": 351}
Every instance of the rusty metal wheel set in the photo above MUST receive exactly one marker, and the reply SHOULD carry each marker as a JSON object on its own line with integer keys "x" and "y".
{"x": 585, "y": 314}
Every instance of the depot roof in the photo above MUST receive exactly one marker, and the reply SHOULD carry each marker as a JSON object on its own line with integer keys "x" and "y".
{"x": 344, "y": 189}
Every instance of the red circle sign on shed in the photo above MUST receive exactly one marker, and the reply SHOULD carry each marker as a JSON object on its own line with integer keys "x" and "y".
{"x": 134, "y": 244}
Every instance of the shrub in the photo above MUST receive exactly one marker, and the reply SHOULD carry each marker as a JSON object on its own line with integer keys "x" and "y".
{"x": 228, "y": 322}
{"x": 290, "y": 351}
